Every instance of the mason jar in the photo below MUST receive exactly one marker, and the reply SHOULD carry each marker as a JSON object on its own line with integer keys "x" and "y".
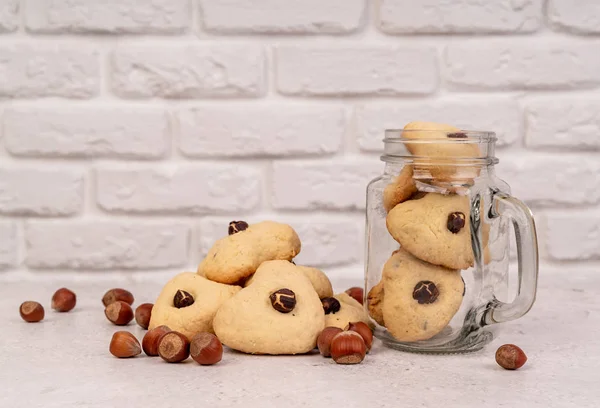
{"x": 438, "y": 227}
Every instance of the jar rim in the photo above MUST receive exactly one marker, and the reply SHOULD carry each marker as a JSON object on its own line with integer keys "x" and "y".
{"x": 462, "y": 136}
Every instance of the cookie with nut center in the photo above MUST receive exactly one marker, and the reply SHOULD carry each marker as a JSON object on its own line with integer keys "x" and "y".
{"x": 350, "y": 311}
{"x": 436, "y": 229}
{"x": 201, "y": 297}
{"x": 237, "y": 256}
{"x": 420, "y": 298}
{"x": 278, "y": 313}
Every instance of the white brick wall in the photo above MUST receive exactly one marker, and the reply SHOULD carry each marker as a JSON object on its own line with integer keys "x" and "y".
{"x": 133, "y": 131}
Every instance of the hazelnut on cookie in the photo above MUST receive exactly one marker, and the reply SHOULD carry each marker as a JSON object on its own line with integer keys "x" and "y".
{"x": 319, "y": 280}
{"x": 342, "y": 309}
{"x": 235, "y": 257}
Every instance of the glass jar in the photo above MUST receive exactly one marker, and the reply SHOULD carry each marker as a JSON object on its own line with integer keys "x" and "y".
{"x": 437, "y": 243}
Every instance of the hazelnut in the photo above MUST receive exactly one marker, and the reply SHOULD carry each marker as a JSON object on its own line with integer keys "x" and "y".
{"x": 283, "y": 300}
{"x": 457, "y": 135}
{"x": 124, "y": 345}
{"x": 63, "y": 300}
{"x": 425, "y": 292}
{"x": 356, "y": 293}
{"x": 206, "y": 349}
{"x": 324, "y": 340}
{"x": 182, "y": 299}
{"x": 142, "y": 315}
{"x": 331, "y": 305}
{"x": 456, "y": 222}
{"x": 364, "y": 330}
{"x": 173, "y": 347}
{"x": 237, "y": 226}
{"x": 31, "y": 312}
{"x": 510, "y": 357}
{"x": 119, "y": 313}
{"x": 348, "y": 347}
{"x": 151, "y": 338}
{"x": 116, "y": 294}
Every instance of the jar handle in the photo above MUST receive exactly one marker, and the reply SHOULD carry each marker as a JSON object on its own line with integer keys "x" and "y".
{"x": 505, "y": 205}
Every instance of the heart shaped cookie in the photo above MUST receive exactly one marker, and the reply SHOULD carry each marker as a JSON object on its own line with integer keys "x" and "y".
{"x": 188, "y": 304}
{"x": 279, "y": 313}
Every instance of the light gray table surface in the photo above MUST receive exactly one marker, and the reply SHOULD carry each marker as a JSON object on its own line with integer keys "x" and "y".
{"x": 64, "y": 362}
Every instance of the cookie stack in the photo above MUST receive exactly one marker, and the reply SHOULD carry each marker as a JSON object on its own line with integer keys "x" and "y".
{"x": 421, "y": 288}
{"x": 250, "y": 293}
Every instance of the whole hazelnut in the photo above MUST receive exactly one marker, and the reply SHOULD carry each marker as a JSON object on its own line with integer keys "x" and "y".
{"x": 182, "y": 299}
{"x": 356, "y": 293}
{"x": 31, "y": 312}
{"x": 206, "y": 349}
{"x": 151, "y": 338}
{"x": 173, "y": 347}
{"x": 124, "y": 345}
{"x": 324, "y": 340}
{"x": 143, "y": 313}
{"x": 119, "y": 313}
{"x": 63, "y": 300}
{"x": 365, "y": 332}
{"x": 117, "y": 294}
{"x": 510, "y": 357}
{"x": 348, "y": 347}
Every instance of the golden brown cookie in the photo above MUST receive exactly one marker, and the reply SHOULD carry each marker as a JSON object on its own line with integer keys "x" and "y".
{"x": 400, "y": 188}
{"x": 279, "y": 313}
{"x": 434, "y": 228}
{"x": 420, "y": 298}
{"x": 375, "y": 303}
{"x": 190, "y": 318}
{"x": 443, "y": 155}
{"x": 235, "y": 257}
{"x": 349, "y": 311}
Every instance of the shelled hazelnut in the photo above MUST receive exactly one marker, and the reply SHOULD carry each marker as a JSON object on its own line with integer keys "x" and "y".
{"x": 117, "y": 294}
{"x": 324, "y": 340}
{"x": 124, "y": 345}
{"x": 173, "y": 347}
{"x": 206, "y": 349}
{"x": 143, "y": 313}
{"x": 63, "y": 300}
{"x": 348, "y": 347}
{"x": 31, "y": 312}
{"x": 151, "y": 339}
{"x": 365, "y": 332}
{"x": 119, "y": 313}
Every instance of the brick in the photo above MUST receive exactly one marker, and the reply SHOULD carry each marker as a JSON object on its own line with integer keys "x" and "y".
{"x": 326, "y": 241}
{"x": 30, "y": 71}
{"x": 581, "y": 18}
{"x": 329, "y": 184}
{"x": 500, "y": 115}
{"x": 573, "y": 236}
{"x": 275, "y": 130}
{"x": 8, "y": 244}
{"x": 459, "y": 16}
{"x": 522, "y": 64}
{"x": 188, "y": 71}
{"x": 105, "y": 244}
{"x": 356, "y": 70}
{"x": 273, "y": 16}
{"x": 124, "y": 132}
{"x": 178, "y": 188}
{"x": 40, "y": 191}
{"x": 108, "y": 16}
{"x": 9, "y": 16}
{"x": 563, "y": 122}
{"x": 552, "y": 179}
